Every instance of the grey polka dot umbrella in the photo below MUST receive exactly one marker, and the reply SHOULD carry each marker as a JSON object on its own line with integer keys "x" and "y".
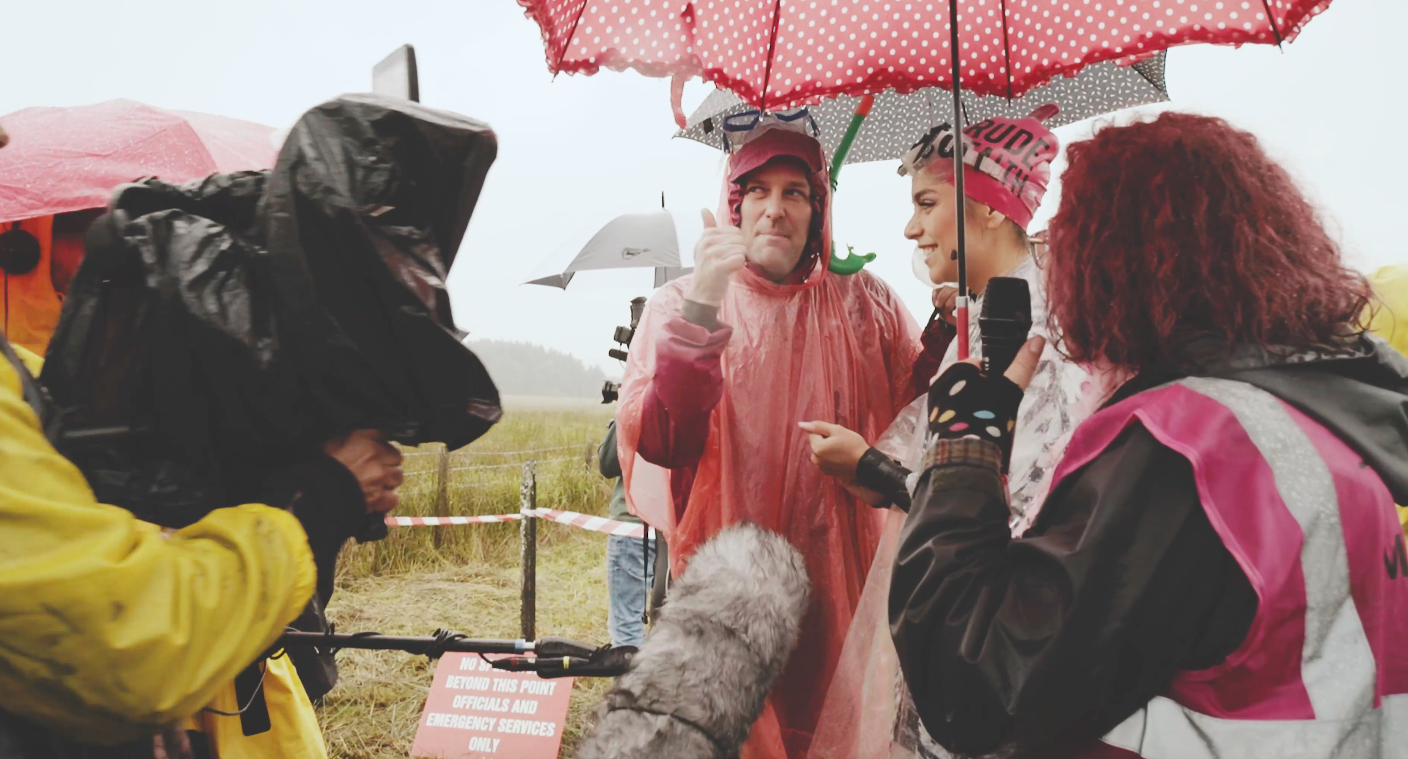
{"x": 897, "y": 121}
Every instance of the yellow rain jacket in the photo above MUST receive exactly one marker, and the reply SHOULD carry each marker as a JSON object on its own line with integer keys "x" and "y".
{"x": 110, "y": 631}
{"x": 293, "y": 731}
{"x": 1390, "y": 321}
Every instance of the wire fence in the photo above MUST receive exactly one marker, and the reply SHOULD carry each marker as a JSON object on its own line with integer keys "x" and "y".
{"x": 508, "y": 465}
{"x": 528, "y": 516}
{"x": 511, "y": 464}
{"x": 419, "y": 454}
{"x": 464, "y": 461}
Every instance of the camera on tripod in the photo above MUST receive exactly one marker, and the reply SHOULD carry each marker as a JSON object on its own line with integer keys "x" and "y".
{"x": 611, "y": 391}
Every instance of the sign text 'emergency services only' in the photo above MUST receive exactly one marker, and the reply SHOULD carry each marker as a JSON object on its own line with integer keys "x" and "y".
{"x": 475, "y": 711}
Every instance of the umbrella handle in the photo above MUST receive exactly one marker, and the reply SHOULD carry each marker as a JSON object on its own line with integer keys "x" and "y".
{"x": 853, "y": 129}
{"x": 960, "y": 319}
{"x": 956, "y": 88}
{"x": 851, "y": 263}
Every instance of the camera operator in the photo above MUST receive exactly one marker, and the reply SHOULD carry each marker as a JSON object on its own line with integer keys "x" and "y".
{"x": 1217, "y": 570}
{"x": 113, "y": 630}
{"x": 635, "y": 567}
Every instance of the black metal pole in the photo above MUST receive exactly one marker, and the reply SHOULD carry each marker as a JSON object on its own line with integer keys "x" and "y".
{"x": 407, "y": 643}
{"x": 442, "y": 496}
{"x": 441, "y": 642}
{"x": 645, "y": 573}
{"x": 528, "y": 532}
{"x": 961, "y": 304}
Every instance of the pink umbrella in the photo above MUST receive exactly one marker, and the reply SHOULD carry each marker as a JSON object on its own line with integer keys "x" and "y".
{"x": 776, "y": 55}
{"x": 70, "y": 159}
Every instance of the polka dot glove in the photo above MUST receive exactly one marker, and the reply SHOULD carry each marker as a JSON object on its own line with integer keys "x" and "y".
{"x": 965, "y": 403}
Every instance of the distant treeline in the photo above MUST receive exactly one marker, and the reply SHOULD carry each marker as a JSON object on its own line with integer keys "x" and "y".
{"x": 528, "y": 369}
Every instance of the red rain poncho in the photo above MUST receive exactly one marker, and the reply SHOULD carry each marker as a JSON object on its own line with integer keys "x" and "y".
{"x": 827, "y": 347}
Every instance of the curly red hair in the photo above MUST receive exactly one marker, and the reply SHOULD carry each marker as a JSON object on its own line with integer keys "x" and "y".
{"x": 1184, "y": 226}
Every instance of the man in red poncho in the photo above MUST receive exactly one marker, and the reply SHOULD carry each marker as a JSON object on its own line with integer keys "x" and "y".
{"x": 727, "y": 362}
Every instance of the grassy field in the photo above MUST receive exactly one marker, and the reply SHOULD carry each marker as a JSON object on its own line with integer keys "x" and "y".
{"x": 466, "y": 578}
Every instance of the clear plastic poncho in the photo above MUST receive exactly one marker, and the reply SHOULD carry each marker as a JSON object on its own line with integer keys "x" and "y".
{"x": 831, "y": 348}
{"x": 868, "y": 713}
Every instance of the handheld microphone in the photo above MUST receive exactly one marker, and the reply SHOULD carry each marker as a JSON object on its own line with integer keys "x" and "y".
{"x": 1004, "y": 323}
{"x": 723, "y": 637}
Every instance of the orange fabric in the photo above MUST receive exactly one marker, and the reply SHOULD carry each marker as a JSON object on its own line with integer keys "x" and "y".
{"x": 833, "y": 348}
{"x": 29, "y": 307}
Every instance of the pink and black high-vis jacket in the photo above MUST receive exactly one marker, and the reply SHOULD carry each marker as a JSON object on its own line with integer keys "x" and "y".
{"x": 1218, "y": 571}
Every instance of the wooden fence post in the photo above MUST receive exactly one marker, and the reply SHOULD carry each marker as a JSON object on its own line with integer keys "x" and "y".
{"x": 591, "y": 449}
{"x": 442, "y": 494}
{"x": 528, "y": 532}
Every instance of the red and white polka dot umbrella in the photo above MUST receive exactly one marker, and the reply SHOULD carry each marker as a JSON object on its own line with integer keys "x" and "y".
{"x": 775, "y": 54}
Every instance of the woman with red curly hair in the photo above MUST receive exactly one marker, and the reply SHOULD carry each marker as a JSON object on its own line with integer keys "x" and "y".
{"x": 1218, "y": 570}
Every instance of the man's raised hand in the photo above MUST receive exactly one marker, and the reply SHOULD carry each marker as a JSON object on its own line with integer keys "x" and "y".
{"x": 719, "y": 253}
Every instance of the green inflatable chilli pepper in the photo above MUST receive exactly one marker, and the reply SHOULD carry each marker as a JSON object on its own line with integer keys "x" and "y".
{"x": 852, "y": 263}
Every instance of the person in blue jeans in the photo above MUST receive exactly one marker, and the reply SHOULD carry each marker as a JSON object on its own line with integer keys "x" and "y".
{"x": 630, "y": 573}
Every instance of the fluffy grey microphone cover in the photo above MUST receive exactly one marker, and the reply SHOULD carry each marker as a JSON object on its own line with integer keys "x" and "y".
{"x": 722, "y": 639}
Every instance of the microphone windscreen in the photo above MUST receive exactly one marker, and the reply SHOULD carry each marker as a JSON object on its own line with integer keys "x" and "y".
{"x": 723, "y": 638}
{"x": 1009, "y": 299}
{"x": 1004, "y": 322}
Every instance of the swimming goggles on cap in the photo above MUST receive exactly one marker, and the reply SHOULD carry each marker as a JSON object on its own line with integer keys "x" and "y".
{"x": 739, "y": 129}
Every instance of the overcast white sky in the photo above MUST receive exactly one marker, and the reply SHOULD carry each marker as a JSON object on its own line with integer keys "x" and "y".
{"x": 578, "y": 151}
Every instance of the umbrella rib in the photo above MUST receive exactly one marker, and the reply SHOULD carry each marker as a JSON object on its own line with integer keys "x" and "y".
{"x": 570, "y": 34}
{"x": 1271, "y": 19}
{"x": 1007, "y": 49}
{"x": 772, "y": 45}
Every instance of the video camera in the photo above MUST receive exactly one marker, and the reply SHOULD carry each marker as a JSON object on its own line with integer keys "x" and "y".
{"x": 611, "y": 391}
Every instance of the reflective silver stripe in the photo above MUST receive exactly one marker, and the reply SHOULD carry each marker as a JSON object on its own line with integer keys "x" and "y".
{"x": 1165, "y": 730}
{"x": 1394, "y": 730}
{"x": 1337, "y": 664}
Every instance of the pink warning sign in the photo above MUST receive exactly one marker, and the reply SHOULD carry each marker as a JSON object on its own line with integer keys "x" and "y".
{"x": 475, "y": 711}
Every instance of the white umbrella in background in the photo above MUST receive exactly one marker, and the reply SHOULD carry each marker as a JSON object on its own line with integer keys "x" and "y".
{"x": 658, "y": 241}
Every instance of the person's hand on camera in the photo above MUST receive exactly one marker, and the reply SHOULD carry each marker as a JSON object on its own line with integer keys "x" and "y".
{"x": 375, "y": 463}
{"x": 945, "y": 299}
{"x": 835, "y": 449}
{"x": 172, "y": 743}
{"x": 719, "y": 253}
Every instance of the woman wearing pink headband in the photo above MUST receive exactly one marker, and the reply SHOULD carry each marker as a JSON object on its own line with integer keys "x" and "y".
{"x": 1008, "y": 165}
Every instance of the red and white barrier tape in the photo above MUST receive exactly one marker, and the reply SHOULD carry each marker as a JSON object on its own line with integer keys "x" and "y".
{"x": 570, "y": 518}
{"x": 595, "y": 524}
{"x": 435, "y": 521}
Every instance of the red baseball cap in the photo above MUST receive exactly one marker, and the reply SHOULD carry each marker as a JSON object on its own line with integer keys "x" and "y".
{"x": 772, "y": 144}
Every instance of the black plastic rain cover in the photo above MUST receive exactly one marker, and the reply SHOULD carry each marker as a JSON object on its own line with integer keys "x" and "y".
{"x": 220, "y": 330}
